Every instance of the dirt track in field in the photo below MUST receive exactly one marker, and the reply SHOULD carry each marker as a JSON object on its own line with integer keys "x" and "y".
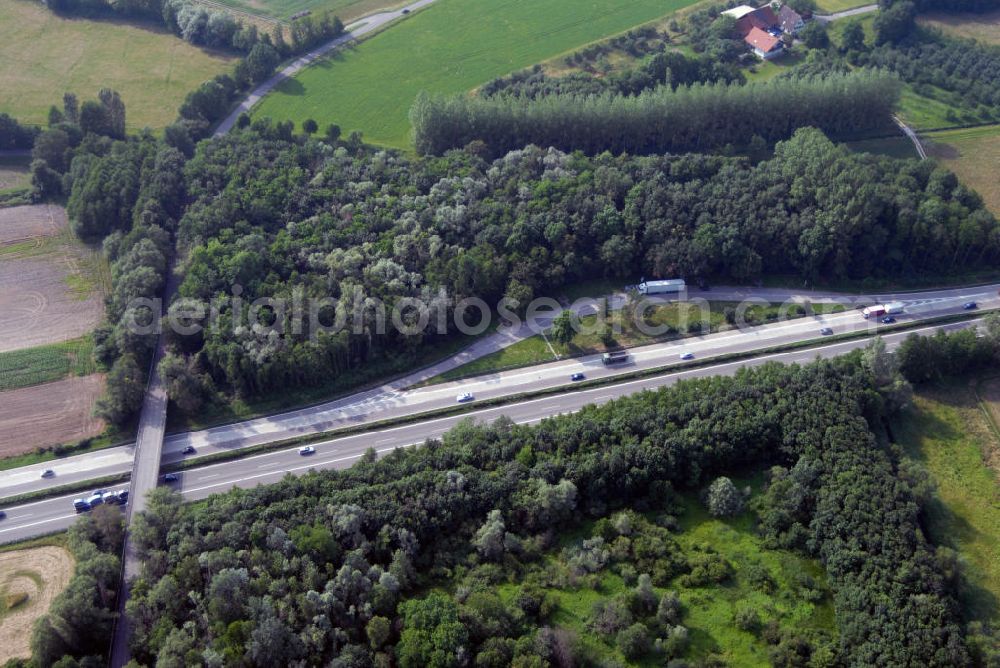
{"x": 49, "y": 414}
{"x": 49, "y": 283}
{"x": 41, "y": 573}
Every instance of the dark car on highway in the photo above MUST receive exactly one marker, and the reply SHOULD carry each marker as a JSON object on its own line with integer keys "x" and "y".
{"x": 968, "y": 306}
{"x": 577, "y": 376}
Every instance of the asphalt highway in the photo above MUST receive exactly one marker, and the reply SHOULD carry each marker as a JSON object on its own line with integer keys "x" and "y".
{"x": 394, "y": 401}
{"x": 41, "y": 517}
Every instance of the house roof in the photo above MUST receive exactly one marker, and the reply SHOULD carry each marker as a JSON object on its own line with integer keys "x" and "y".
{"x": 762, "y": 41}
{"x": 762, "y": 18}
{"x": 789, "y": 18}
{"x": 738, "y": 12}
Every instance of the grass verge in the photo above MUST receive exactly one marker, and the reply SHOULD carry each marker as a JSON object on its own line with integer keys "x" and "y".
{"x": 674, "y": 317}
{"x": 948, "y": 433}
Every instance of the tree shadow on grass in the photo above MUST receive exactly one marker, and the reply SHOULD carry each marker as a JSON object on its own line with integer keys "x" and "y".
{"x": 292, "y": 86}
{"x": 942, "y": 150}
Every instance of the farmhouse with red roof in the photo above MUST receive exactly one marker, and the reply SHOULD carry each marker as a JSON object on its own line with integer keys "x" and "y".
{"x": 761, "y": 28}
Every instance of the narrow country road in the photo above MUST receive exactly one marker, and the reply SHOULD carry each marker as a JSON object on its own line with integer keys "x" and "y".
{"x": 360, "y": 27}
{"x": 909, "y": 132}
{"x": 857, "y": 11}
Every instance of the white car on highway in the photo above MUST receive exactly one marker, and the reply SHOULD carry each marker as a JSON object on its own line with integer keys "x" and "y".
{"x": 464, "y": 397}
{"x": 307, "y": 450}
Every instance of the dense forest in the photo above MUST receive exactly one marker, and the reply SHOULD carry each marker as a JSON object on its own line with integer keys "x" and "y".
{"x": 336, "y": 566}
{"x": 80, "y": 620}
{"x": 14, "y": 136}
{"x": 690, "y": 118}
{"x": 293, "y": 217}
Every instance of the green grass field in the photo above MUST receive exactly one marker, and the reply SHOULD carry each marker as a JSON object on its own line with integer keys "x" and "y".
{"x": 894, "y": 147}
{"x": 831, "y": 6}
{"x": 44, "y": 364}
{"x": 45, "y": 55}
{"x": 948, "y": 432}
{"x": 450, "y": 47}
{"x": 984, "y": 27}
{"x": 973, "y": 154}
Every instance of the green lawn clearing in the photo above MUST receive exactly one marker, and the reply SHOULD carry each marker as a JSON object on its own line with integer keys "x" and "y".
{"x": 894, "y": 147}
{"x": 45, "y": 55}
{"x": 773, "y": 583}
{"x": 768, "y": 69}
{"x": 450, "y": 47}
{"x": 948, "y": 432}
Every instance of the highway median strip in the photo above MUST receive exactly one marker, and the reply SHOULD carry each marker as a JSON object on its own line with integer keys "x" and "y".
{"x": 479, "y": 406}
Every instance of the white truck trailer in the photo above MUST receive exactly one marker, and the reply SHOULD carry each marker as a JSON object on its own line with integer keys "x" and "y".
{"x": 673, "y": 285}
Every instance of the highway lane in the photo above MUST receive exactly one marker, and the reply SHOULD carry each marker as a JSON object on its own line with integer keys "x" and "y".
{"x": 394, "y": 401}
{"x": 32, "y": 519}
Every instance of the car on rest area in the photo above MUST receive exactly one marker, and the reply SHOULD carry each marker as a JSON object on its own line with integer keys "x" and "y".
{"x": 123, "y": 497}
{"x": 48, "y": 473}
{"x": 463, "y": 397}
{"x": 81, "y": 505}
{"x": 577, "y": 376}
{"x": 826, "y": 331}
{"x": 170, "y": 477}
{"x": 968, "y": 306}
{"x": 307, "y": 450}
{"x": 888, "y": 320}
{"x": 687, "y": 356}
{"x": 188, "y": 450}
{"x": 95, "y": 500}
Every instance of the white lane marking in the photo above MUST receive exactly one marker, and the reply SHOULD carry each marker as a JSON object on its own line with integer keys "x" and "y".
{"x": 32, "y": 524}
{"x": 280, "y": 469}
